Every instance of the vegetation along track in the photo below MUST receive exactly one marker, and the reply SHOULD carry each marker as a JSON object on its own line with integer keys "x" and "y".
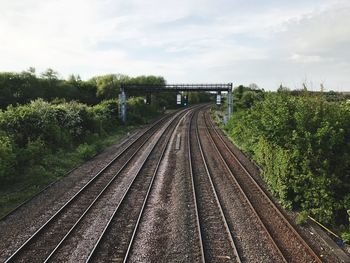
{"x": 39, "y": 246}
{"x": 292, "y": 246}
{"x": 218, "y": 244}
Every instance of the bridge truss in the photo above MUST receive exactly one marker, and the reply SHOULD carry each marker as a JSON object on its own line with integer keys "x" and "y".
{"x": 176, "y": 88}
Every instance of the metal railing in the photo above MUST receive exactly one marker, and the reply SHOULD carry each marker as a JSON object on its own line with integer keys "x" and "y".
{"x": 178, "y": 87}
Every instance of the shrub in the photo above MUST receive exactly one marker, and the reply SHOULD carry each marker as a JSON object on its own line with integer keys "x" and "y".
{"x": 7, "y": 157}
{"x": 106, "y": 116}
{"x": 32, "y": 153}
{"x": 29, "y": 132}
{"x": 303, "y": 145}
{"x": 139, "y": 112}
{"x": 301, "y": 218}
{"x": 86, "y": 151}
{"x": 346, "y": 237}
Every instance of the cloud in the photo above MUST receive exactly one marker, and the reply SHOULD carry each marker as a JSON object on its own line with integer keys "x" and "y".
{"x": 267, "y": 42}
{"x": 317, "y": 46}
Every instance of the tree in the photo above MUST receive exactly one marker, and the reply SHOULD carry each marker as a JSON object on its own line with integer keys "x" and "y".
{"x": 31, "y": 70}
{"x": 108, "y": 86}
{"x": 50, "y": 74}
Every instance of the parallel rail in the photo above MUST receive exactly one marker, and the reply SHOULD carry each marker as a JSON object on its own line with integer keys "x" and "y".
{"x": 291, "y": 245}
{"x": 243, "y": 194}
{"x": 199, "y": 231}
{"x": 104, "y": 192}
{"x": 218, "y": 242}
{"x": 135, "y": 221}
{"x": 25, "y": 247}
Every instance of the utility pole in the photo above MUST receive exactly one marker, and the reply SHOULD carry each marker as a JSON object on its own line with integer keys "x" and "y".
{"x": 122, "y": 105}
{"x": 229, "y": 101}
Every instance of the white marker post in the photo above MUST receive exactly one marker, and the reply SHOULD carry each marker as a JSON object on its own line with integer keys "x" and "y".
{"x": 218, "y": 99}
{"x": 178, "y": 99}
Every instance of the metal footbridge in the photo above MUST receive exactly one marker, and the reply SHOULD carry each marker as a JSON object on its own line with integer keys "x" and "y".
{"x": 125, "y": 88}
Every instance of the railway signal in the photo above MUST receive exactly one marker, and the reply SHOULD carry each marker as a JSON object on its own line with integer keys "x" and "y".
{"x": 218, "y": 98}
{"x": 185, "y": 100}
{"x": 178, "y": 98}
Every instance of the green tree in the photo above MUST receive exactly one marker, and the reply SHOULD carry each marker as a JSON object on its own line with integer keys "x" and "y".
{"x": 108, "y": 86}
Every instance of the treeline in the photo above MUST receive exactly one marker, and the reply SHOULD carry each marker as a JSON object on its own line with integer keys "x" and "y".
{"x": 43, "y": 115}
{"x": 302, "y": 142}
{"x": 23, "y": 87}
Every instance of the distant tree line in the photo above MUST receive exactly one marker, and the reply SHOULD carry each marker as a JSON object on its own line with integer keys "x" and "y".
{"x": 21, "y": 88}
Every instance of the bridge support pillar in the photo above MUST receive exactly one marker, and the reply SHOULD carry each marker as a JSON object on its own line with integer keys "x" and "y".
{"x": 229, "y": 102}
{"x": 122, "y": 105}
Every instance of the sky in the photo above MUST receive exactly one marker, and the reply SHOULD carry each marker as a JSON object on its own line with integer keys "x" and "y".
{"x": 266, "y": 42}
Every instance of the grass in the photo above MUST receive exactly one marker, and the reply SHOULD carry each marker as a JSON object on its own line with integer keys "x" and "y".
{"x": 53, "y": 166}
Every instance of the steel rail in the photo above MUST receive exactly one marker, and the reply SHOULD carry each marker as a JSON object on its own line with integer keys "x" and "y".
{"x": 245, "y": 197}
{"x": 30, "y": 239}
{"x": 89, "y": 259}
{"x": 149, "y": 190}
{"x": 222, "y": 215}
{"x": 97, "y": 244}
{"x": 251, "y": 178}
{"x": 104, "y": 190}
{"x": 202, "y": 256}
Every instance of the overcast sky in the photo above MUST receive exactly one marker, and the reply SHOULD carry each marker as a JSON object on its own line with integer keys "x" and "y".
{"x": 198, "y": 41}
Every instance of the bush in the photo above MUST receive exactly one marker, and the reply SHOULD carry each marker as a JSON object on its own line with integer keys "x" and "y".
{"x": 106, "y": 116}
{"x": 7, "y": 157}
{"x": 29, "y": 132}
{"x": 58, "y": 125}
{"x": 41, "y": 127}
{"x": 346, "y": 237}
{"x": 139, "y": 112}
{"x": 31, "y": 154}
{"x": 301, "y": 218}
{"x": 302, "y": 143}
{"x": 86, "y": 151}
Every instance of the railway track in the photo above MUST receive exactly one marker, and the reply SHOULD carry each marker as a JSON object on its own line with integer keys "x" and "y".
{"x": 101, "y": 221}
{"x": 169, "y": 229}
{"x": 49, "y": 236}
{"x": 116, "y": 241}
{"x": 291, "y": 246}
{"x": 242, "y": 218}
{"x": 217, "y": 240}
